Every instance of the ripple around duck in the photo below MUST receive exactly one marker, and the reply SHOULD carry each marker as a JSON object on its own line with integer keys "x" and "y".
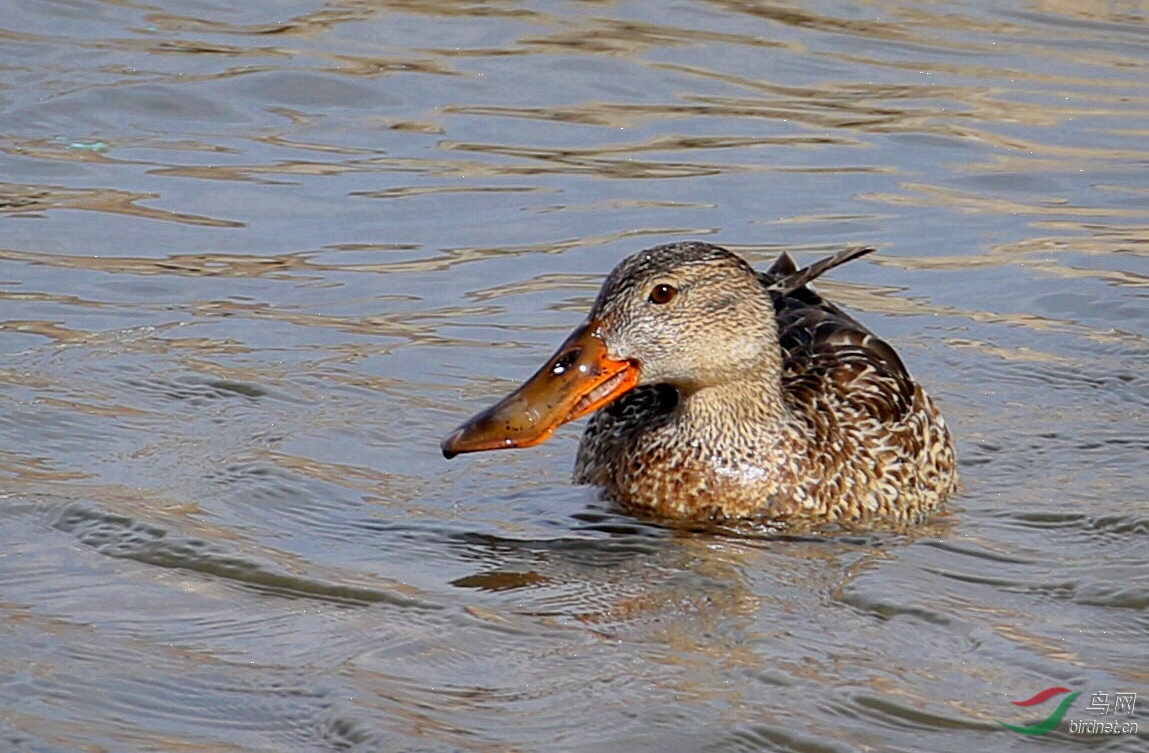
{"x": 884, "y": 608}
{"x": 197, "y": 389}
{"x": 1105, "y": 525}
{"x": 124, "y": 537}
{"x": 605, "y": 551}
{"x": 887, "y": 712}
{"x": 297, "y": 209}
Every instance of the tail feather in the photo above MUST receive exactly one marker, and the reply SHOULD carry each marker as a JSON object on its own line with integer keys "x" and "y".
{"x": 783, "y": 266}
{"x": 799, "y": 278}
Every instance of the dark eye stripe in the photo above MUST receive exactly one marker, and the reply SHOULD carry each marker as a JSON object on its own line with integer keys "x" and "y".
{"x": 663, "y": 293}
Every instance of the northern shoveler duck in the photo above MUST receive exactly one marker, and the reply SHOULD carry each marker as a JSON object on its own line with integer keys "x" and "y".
{"x": 723, "y": 392}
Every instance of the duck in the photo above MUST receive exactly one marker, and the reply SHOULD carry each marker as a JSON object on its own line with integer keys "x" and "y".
{"x": 722, "y": 393}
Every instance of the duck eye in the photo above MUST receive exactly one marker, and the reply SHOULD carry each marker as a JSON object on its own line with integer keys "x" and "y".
{"x": 663, "y": 293}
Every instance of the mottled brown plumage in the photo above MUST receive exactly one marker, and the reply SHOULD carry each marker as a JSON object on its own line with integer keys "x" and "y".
{"x": 731, "y": 393}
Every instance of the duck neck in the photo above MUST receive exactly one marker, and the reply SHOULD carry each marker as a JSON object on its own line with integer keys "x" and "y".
{"x": 745, "y": 406}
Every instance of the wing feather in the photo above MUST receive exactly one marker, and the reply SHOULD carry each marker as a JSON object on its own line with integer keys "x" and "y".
{"x": 829, "y": 354}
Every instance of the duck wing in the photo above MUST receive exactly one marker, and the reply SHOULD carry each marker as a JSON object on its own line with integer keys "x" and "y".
{"x": 825, "y": 351}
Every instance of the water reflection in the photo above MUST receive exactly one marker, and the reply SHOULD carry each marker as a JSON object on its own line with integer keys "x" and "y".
{"x": 257, "y": 261}
{"x": 33, "y": 200}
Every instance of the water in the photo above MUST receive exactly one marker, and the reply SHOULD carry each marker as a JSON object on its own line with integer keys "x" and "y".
{"x": 256, "y": 260}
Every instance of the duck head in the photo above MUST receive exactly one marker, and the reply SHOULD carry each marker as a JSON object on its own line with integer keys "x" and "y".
{"x": 690, "y": 315}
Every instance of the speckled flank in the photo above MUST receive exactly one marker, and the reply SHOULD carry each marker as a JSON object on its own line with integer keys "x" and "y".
{"x": 820, "y": 421}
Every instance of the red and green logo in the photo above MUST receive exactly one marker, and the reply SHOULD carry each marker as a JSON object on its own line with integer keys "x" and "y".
{"x": 1050, "y": 721}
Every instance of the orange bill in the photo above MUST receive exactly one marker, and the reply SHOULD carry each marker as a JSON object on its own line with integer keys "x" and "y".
{"x": 578, "y": 379}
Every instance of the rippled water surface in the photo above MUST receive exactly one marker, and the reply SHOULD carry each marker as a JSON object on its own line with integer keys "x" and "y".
{"x": 257, "y": 258}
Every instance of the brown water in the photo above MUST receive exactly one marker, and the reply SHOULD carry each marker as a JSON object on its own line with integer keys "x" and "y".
{"x": 257, "y": 258}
